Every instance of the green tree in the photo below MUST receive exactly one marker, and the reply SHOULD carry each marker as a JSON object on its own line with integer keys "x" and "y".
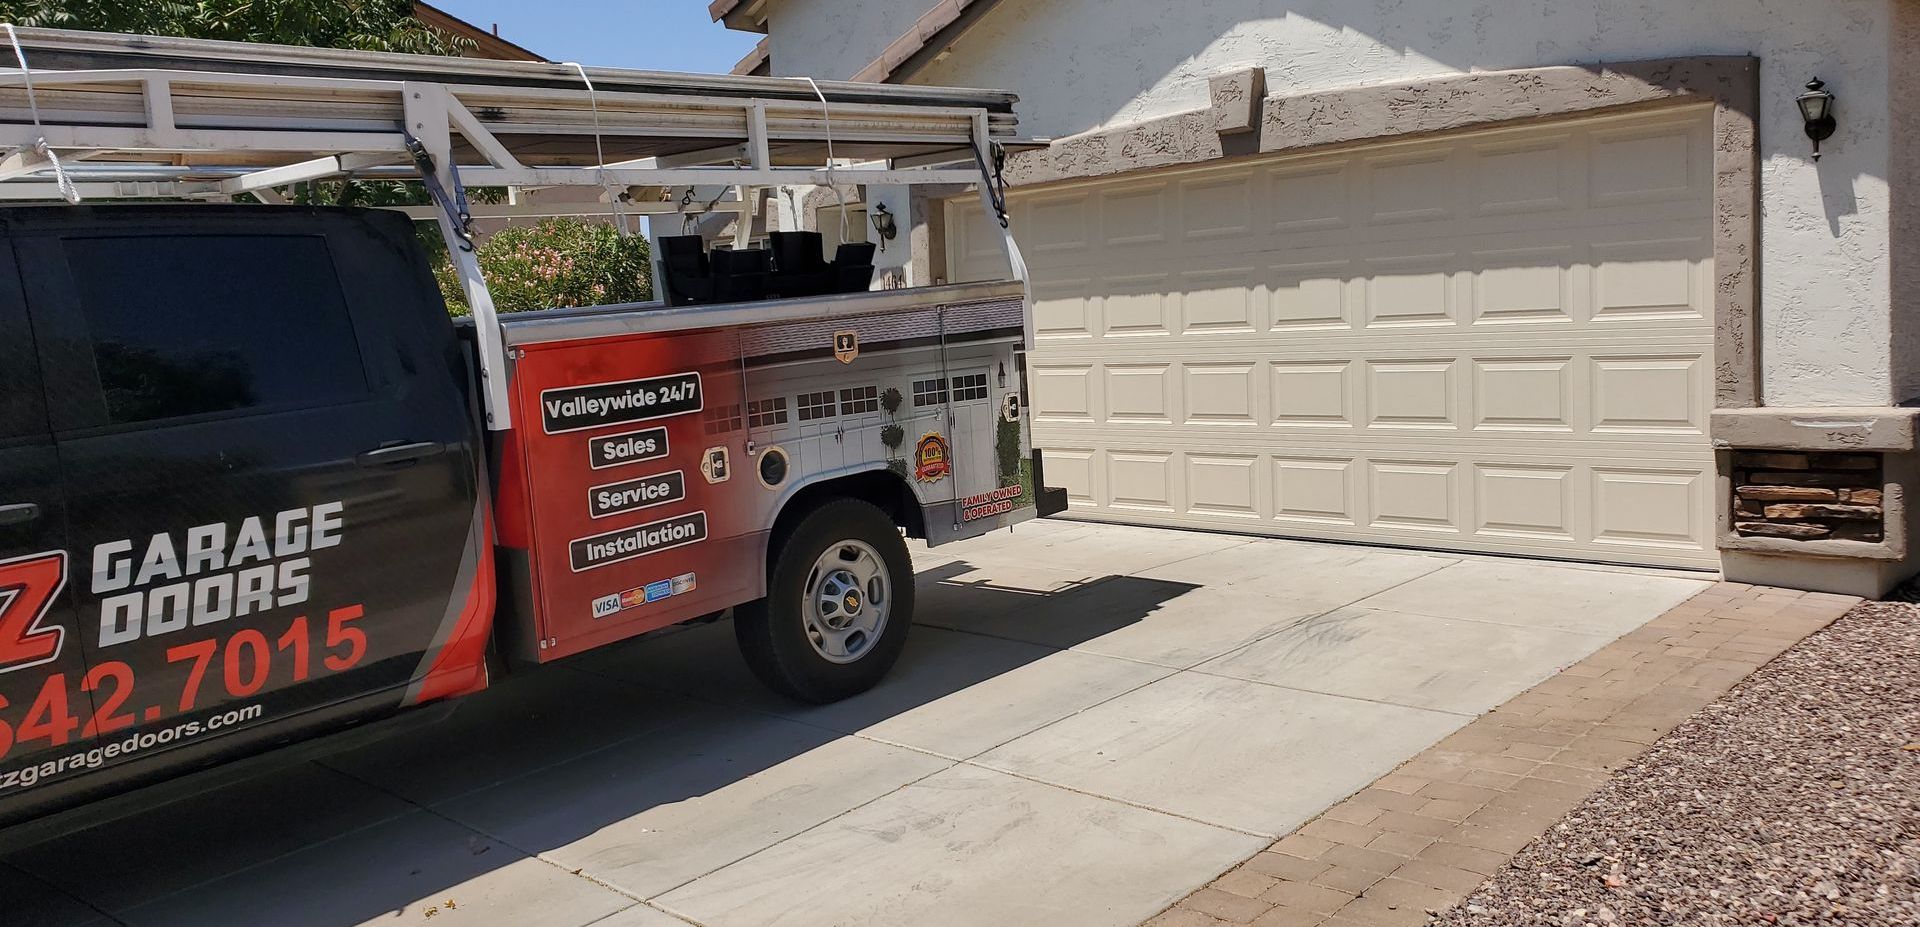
{"x": 560, "y": 262}
{"x": 368, "y": 25}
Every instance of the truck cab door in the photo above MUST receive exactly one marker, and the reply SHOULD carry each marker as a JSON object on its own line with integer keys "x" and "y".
{"x": 47, "y": 724}
{"x": 267, "y": 460}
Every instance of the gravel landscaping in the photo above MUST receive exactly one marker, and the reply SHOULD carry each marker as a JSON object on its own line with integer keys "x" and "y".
{"x": 1794, "y": 799}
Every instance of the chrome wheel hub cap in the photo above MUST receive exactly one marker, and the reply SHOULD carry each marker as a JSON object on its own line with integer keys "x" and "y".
{"x": 848, "y": 598}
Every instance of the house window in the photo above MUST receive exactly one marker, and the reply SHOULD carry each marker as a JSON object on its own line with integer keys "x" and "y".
{"x": 859, "y": 400}
{"x": 970, "y": 387}
{"x": 762, "y": 413}
{"x": 929, "y": 392}
{"x": 723, "y": 419}
{"x": 815, "y": 406}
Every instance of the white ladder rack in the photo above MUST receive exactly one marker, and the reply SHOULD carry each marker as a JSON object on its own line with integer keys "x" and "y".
{"x": 141, "y": 116}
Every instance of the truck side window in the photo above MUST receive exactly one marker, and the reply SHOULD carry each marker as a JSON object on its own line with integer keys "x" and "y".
{"x": 191, "y": 325}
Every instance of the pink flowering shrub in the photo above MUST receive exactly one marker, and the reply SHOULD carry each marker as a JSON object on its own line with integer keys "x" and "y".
{"x": 560, "y": 262}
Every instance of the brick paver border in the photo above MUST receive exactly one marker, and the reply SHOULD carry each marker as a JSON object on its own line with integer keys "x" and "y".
{"x": 1424, "y": 836}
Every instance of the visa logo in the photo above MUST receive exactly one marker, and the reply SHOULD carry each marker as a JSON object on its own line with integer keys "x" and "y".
{"x": 606, "y": 605}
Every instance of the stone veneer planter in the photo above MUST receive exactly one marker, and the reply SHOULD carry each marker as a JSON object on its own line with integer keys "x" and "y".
{"x": 1808, "y": 496}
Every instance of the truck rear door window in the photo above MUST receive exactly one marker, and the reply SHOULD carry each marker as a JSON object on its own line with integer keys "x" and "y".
{"x": 21, "y": 411}
{"x": 193, "y": 325}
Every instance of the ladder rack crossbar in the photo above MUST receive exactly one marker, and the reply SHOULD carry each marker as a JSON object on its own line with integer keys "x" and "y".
{"x": 72, "y": 50}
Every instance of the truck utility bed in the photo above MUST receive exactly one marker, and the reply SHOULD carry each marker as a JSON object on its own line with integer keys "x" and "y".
{"x": 795, "y": 393}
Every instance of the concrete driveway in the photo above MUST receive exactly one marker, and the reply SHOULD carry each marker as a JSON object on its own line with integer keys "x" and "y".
{"x": 1090, "y": 722}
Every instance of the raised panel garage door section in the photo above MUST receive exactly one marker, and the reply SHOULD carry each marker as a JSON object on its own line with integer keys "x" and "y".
{"x": 1497, "y": 341}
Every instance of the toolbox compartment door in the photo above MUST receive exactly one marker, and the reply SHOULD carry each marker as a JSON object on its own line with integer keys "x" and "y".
{"x": 640, "y": 505}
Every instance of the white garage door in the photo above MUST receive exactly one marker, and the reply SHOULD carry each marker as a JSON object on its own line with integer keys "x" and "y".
{"x": 1496, "y": 341}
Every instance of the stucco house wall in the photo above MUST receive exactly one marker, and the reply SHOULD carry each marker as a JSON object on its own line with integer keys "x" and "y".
{"x": 833, "y": 39}
{"x": 1826, "y": 292}
{"x": 1903, "y": 43}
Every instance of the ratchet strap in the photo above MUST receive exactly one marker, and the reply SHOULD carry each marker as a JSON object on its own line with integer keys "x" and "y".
{"x": 454, "y": 205}
{"x": 995, "y": 180}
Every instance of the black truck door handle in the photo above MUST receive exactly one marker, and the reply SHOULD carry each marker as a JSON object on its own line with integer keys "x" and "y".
{"x": 11, "y": 515}
{"x": 400, "y": 453}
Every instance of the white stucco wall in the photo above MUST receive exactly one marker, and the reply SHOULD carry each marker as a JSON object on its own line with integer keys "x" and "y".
{"x": 834, "y": 39}
{"x": 1082, "y": 64}
{"x": 1903, "y": 44}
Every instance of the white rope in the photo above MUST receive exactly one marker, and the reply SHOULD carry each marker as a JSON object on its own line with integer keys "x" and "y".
{"x": 827, "y": 112}
{"x": 600, "y": 154}
{"x": 60, "y": 178}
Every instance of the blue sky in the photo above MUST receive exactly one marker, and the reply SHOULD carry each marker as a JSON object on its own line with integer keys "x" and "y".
{"x": 660, "y": 35}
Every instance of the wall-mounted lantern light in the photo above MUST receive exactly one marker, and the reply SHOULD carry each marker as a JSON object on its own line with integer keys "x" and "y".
{"x": 1816, "y": 107}
{"x": 883, "y": 224}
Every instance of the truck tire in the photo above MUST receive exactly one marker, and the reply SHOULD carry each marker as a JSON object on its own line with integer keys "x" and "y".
{"x": 838, "y": 607}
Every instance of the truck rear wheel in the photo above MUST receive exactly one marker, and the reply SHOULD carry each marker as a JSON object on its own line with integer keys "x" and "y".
{"x": 838, "y": 607}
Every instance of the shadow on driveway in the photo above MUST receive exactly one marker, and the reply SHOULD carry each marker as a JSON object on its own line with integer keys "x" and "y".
{"x": 640, "y": 766}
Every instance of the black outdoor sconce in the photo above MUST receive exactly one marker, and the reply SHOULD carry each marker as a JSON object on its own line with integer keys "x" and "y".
{"x": 1816, "y": 107}
{"x": 883, "y": 224}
